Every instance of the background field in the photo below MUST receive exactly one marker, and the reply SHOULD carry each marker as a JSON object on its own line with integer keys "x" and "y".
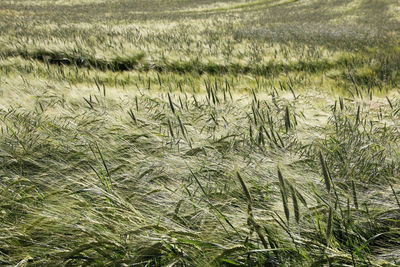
{"x": 199, "y": 133}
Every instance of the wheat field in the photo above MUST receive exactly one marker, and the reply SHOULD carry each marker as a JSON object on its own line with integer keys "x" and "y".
{"x": 199, "y": 133}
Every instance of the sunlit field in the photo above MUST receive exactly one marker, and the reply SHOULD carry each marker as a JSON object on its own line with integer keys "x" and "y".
{"x": 199, "y": 133}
